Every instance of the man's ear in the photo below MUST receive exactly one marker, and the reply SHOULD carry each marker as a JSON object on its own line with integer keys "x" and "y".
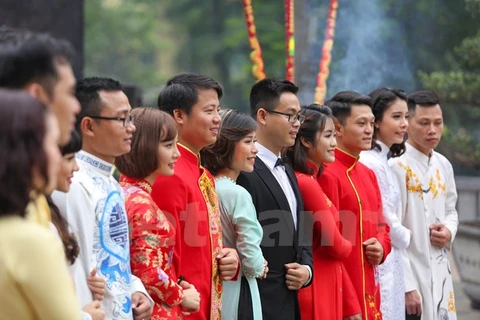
{"x": 305, "y": 143}
{"x": 179, "y": 116}
{"x": 37, "y": 91}
{"x": 87, "y": 127}
{"x": 338, "y": 127}
{"x": 261, "y": 116}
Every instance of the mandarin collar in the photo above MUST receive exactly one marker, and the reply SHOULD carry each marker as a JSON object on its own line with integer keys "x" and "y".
{"x": 188, "y": 154}
{"x": 95, "y": 164}
{"x": 345, "y": 157}
{"x": 417, "y": 154}
{"x": 312, "y": 166}
{"x": 384, "y": 150}
{"x": 267, "y": 156}
{"x": 141, "y": 183}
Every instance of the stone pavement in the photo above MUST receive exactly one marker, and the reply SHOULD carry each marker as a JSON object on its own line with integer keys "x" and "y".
{"x": 462, "y": 302}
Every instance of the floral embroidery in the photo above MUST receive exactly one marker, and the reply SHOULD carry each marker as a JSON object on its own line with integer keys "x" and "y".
{"x": 211, "y": 200}
{"x": 437, "y": 185}
{"x": 412, "y": 181}
{"x": 152, "y": 242}
{"x": 371, "y": 304}
{"x": 162, "y": 276}
{"x": 451, "y": 303}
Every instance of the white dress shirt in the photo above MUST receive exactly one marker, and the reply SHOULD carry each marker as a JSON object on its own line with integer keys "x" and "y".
{"x": 269, "y": 158}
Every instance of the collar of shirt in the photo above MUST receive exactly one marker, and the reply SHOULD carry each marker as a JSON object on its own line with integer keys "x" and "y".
{"x": 94, "y": 163}
{"x": 140, "y": 183}
{"x": 267, "y": 156}
{"x": 188, "y": 154}
{"x": 345, "y": 157}
{"x": 415, "y": 153}
{"x": 384, "y": 150}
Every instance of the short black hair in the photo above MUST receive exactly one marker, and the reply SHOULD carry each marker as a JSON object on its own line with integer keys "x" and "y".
{"x": 341, "y": 104}
{"x": 23, "y": 126}
{"x": 89, "y": 98}
{"x": 423, "y": 98}
{"x": 235, "y": 126}
{"x": 382, "y": 99}
{"x": 74, "y": 145}
{"x": 181, "y": 91}
{"x": 27, "y": 57}
{"x": 266, "y": 94}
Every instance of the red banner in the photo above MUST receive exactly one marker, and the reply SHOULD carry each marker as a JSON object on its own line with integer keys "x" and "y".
{"x": 321, "y": 89}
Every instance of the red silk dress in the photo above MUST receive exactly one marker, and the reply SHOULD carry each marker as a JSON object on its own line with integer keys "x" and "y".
{"x": 353, "y": 190}
{"x": 152, "y": 242}
{"x": 331, "y": 295}
{"x": 188, "y": 198}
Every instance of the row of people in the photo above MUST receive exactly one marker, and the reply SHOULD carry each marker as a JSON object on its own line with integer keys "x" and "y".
{"x": 222, "y": 225}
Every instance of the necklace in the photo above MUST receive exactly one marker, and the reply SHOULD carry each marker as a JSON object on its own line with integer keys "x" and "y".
{"x": 225, "y": 177}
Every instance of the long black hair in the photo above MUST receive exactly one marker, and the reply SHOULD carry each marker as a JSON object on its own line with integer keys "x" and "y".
{"x": 315, "y": 118}
{"x": 70, "y": 243}
{"x": 382, "y": 99}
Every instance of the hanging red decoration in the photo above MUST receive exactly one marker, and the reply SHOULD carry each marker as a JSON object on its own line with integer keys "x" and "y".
{"x": 255, "y": 49}
{"x": 290, "y": 40}
{"x": 321, "y": 89}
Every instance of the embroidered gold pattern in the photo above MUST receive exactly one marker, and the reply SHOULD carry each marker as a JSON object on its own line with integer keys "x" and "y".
{"x": 211, "y": 200}
{"x": 371, "y": 304}
{"x": 435, "y": 184}
{"x": 451, "y": 303}
{"x": 412, "y": 181}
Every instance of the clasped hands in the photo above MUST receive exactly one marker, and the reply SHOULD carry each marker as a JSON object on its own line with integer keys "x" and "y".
{"x": 373, "y": 251}
{"x": 297, "y": 276}
{"x": 141, "y": 305}
{"x": 440, "y": 235}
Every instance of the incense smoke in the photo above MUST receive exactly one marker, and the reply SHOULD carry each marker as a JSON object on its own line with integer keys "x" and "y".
{"x": 369, "y": 50}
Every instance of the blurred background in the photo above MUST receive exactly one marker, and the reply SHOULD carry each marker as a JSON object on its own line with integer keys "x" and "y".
{"x": 408, "y": 44}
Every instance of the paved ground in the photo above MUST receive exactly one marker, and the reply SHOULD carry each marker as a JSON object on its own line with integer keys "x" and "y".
{"x": 464, "y": 310}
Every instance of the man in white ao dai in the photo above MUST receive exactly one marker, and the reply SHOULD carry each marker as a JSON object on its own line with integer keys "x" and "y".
{"x": 428, "y": 197}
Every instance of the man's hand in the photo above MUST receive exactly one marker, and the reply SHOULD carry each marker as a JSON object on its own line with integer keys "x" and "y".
{"x": 413, "y": 303}
{"x": 227, "y": 263}
{"x": 96, "y": 285}
{"x": 93, "y": 309}
{"x": 439, "y": 235}
{"x": 142, "y": 309}
{"x": 357, "y": 316}
{"x": 191, "y": 298}
{"x": 297, "y": 275}
{"x": 373, "y": 251}
{"x": 265, "y": 269}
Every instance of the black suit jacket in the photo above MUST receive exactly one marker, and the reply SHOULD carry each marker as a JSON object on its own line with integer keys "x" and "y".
{"x": 281, "y": 243}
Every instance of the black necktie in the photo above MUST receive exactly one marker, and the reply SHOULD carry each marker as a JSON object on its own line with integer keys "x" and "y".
{"x": 280, "y": 162}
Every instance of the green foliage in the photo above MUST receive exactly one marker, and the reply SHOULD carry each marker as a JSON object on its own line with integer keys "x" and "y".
{"x": 459, "y": 88}
{"x": 122, "y": 41}
{"x": 458, "y": 146}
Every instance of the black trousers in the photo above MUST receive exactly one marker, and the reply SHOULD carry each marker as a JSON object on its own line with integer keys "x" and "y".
{"x": 245, "y": 306}
{"x": 411, "y": 316}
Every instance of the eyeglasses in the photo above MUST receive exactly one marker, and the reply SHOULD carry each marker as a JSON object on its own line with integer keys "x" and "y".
{"x": 128, "y": 120}
{"x": 292, "y": 118}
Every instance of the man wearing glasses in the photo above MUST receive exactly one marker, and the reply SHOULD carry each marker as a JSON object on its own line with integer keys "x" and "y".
{"x": 277, "y": 199}
{"x": 95, "y": 207}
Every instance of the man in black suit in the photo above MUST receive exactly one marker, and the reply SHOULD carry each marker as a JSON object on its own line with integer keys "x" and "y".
{"x": 277, "y": 199}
